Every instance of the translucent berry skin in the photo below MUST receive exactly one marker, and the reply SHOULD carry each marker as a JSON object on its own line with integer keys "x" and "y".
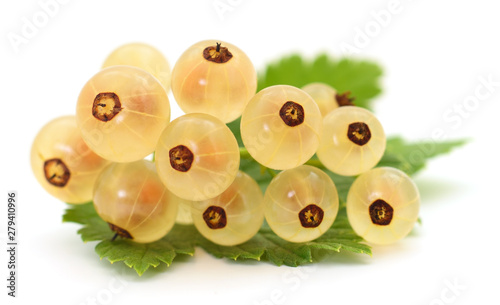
{"x": 135, "y": 126}
{"x": 184, "y": 211}
{"x": 219, "y": 89}
{"x": 215, "y": 156}
{"x": 60, "y": 139}
{"x": 142, "y": 56}
{"x": 269, "y": 139}
{"x": 393, "y": 187}
{"x": 290, "y": 192}
{"x": 243, "y": 207}
{"x": 323, "y": 95}
{"x": 132, "y": 197}
{"x": 342, "y": 156}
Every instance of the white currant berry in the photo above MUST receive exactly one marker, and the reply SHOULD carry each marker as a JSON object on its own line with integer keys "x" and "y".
{"x": 197, "y": 157}
{"x": 63, "y": 164}
{"x": 214, "y": 77}
{"x": 184, "y": 211}
{"x": 301, "y": 204}
{"x": 353, "y": 141}
{"x": 281, "y": 127}
{"x": 324, "y": 96}
{"x": 122, "y": 111}
{"x": 383, "y": 205}
{"x": 142, "y": 56}
{"x": 131, "y": 198}
{"x": 234, "y": 216}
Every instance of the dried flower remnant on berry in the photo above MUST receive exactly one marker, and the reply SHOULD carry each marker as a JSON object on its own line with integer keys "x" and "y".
{"x": 217, "y": 54}
{"x": 359, "y": 133}
{"x": 381, "y": 212}
{"x": 215, "y": 217}
{"x": 292, "y": 113}
{"x": 344, "y": 99}
{"x": 181, "y": 158}
{"x": 311, "y": 216}
{"x": 106, "y": 106}
{"x": 56, "y": 172}
{"x": 119, "y": 231}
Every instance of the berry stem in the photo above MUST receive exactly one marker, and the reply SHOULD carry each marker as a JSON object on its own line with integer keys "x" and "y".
{"x": 271, "y": 172}
{"x": 316, "y": 163}
{"x": 244, "y": 154}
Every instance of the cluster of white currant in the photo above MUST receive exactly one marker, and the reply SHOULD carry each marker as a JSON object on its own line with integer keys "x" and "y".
{"x": 123, "y": 115}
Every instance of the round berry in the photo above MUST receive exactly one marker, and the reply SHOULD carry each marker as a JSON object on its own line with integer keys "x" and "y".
{"x": 183, "y": 211}
{"x": 142, "y": 56}
{"x": 197, "y": 157}
{"x": 301, "y": 204}
{"x": 234, "y": 216}
{"x": 324, "y": 96}
{"x": 131, "y": 198}
{"x": 63, "y": 164}
{"x": 281, "y": 127}
{"x": 383, "y": 205}
{"x": 214, "y": 77}
{"x": 122, "y": 111}
{"x": 352, "y": 142}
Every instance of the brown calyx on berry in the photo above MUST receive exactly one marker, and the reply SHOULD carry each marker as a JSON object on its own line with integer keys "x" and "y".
{"x": 106, "y": 106}
{"x": 119, "y": 232}
{"x": 311, "y": 216}
{"x": 215, "y": 217}
{"x": 381, "y": 212}
{"x": 181, "y": 158}
{"x": 344, "y": 99}
{"x": 292, "y": 113}
{"x": 56, "y": 172}
{"x": 217, "y": 54}
{"x": 359, "y": 133}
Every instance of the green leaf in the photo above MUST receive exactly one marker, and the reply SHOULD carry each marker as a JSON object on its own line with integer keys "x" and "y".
{"x": 94, "y": 227}
{"x": 358, "y": 76}
{"x": 142, "y": 256}
{"x": 412, "y": 157}
{"x": 182, "y": 239}
{"x": 81, "y": 216}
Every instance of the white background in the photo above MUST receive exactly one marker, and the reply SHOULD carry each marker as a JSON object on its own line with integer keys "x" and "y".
{"x": 435, "y": 54}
